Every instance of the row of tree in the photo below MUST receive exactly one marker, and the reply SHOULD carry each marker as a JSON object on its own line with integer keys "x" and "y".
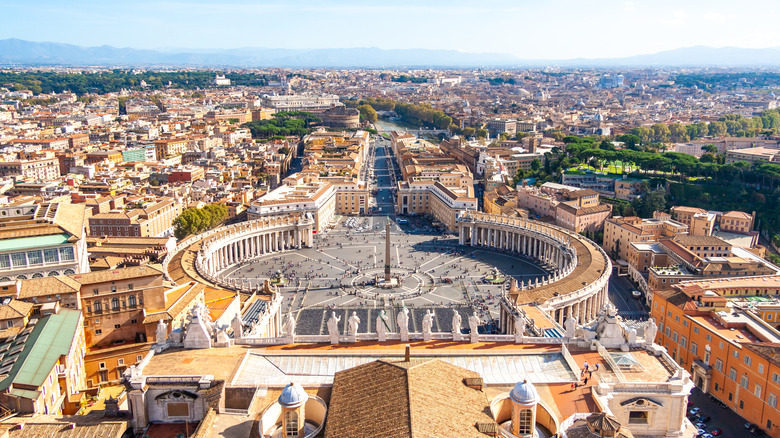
{"x": 197, "y": 220}
{"x": 282, "y": 124}
{"x": 734, "y": 125}
{"x": 115, "y": 80}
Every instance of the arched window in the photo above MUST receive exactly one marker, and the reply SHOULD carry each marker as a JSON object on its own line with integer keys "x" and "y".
{"x": 291, "y": 428}
{"x": 131, "y": 301}
{"x": 115, "y": 303}
{"x": 96, "y": 306}
{"x": 525, "y": 426}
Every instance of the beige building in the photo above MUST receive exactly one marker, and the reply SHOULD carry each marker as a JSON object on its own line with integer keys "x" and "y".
{"x": 432, "y": 197}
{"x": 154, "y": 220}
{"x": 620, "y": 231}
{"x": 306, "y": 192}
{"x": 47, "y": 169}
{"x": 575, "y": 209}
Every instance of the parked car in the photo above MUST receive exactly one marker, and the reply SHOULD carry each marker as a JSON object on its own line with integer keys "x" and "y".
{"x": 636, "y": 294}
{"x": 704, "y": 418}
{"x": 695, "y": 411}
{"x": 700, "y": 432}
{"x": 716, "y": 431}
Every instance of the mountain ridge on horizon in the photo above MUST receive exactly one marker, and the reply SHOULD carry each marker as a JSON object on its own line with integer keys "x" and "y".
{"x": 15, "y": 51}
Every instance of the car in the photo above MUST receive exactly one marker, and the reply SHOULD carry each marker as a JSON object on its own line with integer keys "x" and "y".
{"x": 704, "y": 418}
{"x": 716, "y": 431}
{"x": 700, "y": 425}
{"x": 700, "y": 432}
{"x": 695, "y": 411}
{"x": 636, "y": 294}
{"x": 707, "y": 435}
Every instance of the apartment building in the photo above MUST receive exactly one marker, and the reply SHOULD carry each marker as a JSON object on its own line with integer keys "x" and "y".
{"x": 45, "y": 169}
{"x": 575, "y": 209}
{"x": 431, "y": 197}
{"x": 731, "y": 353}
{"x": 149, "y": 220}
{"x": 620, "y": 231}
{"x": 170, "y": 147}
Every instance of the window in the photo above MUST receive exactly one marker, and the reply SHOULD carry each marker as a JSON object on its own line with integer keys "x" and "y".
{"x": 133, "y": 321}
{"x": 116, "y": 326}
{"x": 97, "y": 306}
{"x": 757, "y": 390}
{"x": 178, "y": 409}
{"x": 744, "y": 381}
{"x": 719, "y": 365}
{"x": 526, "y": 428}
{"x": 66, "y": 253}
{"x": 731, "y": 396}
{"x": 113, "y": 288}
{"x": 35, "y": 257}
{"x": 721, "y": 345}
{"x": 131, "y": 301}
{"x": 120, "y": 361}
{"x": 694, "y": 348}
{"x": 102, "y": 365}
{"x": 748, "y": 360}
{"x": 291, "y": 424}
{"x": 683, "y": 342}
{"x": 115, "y": 303}
{"x": 637, "y": 417}
{"x": 709, "y": 337}
{"x": 669, "y": 313}
{"x": 742, "y": 404}
{"x": 98, "y": 332}
{"x": 685, "y": 323}
{"x": 735, "y": 353}
{"x": 677, "y": 318}
{"x": 696, "y": 329}
{"x": 139, "y": 358}
{"x": 674, "y": 337}
{"x": 18, "y": 259}
{"x": 716, "y": 386}
{"x": 772, "y": 400}
{"x": 5, "y": 261}
{"x": 760, "y": 368}
{"x": 733, "y": 374}
{"x": 776, "y": 377}
{"x": 130, "y": 286}
{"x": 94, "y": 291}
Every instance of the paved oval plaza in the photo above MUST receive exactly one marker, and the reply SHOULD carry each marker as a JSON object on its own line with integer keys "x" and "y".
{"x": 339, "y": 273}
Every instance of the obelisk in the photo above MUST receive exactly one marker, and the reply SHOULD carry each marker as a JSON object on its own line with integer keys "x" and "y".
{"x": 387, "y": 250}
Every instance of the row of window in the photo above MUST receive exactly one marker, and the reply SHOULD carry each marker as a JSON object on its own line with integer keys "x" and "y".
{"x": 97, "y": 305}
{"x": 37, "y": 257}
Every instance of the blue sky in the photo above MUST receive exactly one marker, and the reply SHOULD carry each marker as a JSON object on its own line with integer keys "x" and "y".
{"x": 529, "y": 29}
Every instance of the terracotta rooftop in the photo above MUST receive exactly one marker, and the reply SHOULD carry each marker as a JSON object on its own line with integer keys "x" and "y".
{"x": 405, "y": 399}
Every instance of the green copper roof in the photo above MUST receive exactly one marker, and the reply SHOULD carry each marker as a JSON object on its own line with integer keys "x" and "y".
{"x": 33, "y": 242}
{"x": 49, "y": 339}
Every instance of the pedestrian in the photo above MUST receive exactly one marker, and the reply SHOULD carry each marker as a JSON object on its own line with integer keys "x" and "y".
{"x": 585, "y": 382}
{"x": 585, "y": 365}
{"x": 597, "y": 367}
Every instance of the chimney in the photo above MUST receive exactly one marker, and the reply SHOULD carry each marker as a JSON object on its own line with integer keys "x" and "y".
{"x": 408, "y": 355}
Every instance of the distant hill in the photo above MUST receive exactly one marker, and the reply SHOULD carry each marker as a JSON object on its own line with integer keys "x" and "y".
{"x": 20, "y": 52}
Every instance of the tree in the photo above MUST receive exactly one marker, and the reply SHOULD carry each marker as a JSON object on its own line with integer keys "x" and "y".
{"x": 652, "y": 201}
{"x": 536, "y": 165}
{"x": 367, "y": 113}
{"x": 198, "y": 220}
{"x": 661, "y": 133}
{"x": 644, "y": 133}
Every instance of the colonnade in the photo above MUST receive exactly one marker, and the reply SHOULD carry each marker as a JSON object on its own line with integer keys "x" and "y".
{"x": 552, "y": 247}
{"x": 251, "y": 239}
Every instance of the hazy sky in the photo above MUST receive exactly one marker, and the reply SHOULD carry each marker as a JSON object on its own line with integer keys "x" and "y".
{"x": 529, "y": 29}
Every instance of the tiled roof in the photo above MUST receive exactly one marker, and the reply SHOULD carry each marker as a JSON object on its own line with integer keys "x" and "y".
{"x": 405, "y": 399}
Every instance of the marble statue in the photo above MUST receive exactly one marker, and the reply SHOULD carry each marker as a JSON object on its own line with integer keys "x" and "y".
{"x": 333, "y": 328}
{"x": 520, "y": 326}
{"x": 381, "y": 325}
{"x": 162, "y": 332}
{"x": 403, "y": 324}
{"x": 571, "y": 326}
{"x": 632, "y": 336}
{"x": 457, "y": 322}
{"x": 474, "y": 323}
{"x": 238, "y": 326}
{"x": 352, "y": 324}
{"x": 427, "y": 325}
{"x": 651, "y": 330}
{"x": 289, "y": 325}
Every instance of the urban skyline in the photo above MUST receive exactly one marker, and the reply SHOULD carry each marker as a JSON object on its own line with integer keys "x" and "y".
{"x": 526, "y": 30}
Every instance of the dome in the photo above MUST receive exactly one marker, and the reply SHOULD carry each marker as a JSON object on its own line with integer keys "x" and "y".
{"x": 524, "y": 393}
{"x": 293, "y": 396}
